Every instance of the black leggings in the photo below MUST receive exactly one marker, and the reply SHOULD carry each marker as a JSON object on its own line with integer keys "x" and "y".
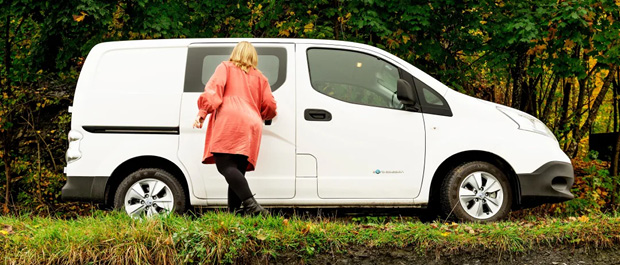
{"x": 233, "y": 167}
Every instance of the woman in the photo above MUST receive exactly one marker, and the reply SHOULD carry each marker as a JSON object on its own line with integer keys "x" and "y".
{"x": 239, "y": 98}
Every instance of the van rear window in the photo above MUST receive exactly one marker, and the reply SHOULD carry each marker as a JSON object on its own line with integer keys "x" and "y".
{"x": 202, "y": 61}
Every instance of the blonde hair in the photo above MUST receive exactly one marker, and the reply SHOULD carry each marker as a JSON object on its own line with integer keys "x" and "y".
{"x": 244, "y": 56}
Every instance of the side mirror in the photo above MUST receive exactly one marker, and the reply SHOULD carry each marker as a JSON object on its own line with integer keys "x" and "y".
{"x": 405, "y": 94}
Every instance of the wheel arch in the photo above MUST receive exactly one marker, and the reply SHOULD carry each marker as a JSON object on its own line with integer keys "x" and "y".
{"x": 470, "y": 156}
{"x": 131, "y": 165}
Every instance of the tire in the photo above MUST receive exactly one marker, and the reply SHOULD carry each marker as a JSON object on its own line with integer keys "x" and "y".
{"x": 476, "y": 192}
{"x": 134, "y": 196}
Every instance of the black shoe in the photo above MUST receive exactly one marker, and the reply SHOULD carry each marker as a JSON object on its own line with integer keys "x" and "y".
{"x": 235, "y": 211}
{"x": 251, "y": 207}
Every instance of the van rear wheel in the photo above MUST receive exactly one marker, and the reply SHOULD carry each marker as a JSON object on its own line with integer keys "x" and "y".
{"x": 476, "y": 192}
{"x": 150, "y": 192}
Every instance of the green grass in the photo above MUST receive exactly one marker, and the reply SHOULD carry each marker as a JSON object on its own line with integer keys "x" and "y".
{"x": 224, "y": 238}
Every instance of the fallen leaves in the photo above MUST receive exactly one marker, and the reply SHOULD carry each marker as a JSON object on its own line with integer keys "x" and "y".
{"x": 469, "y": 230}
{"x": 583, "y": 219}
{"x": 260, "y": 235}
{"x": 306, "y": 229}
{"x": 6, "y": 230}
{"x": 454, "y": 228}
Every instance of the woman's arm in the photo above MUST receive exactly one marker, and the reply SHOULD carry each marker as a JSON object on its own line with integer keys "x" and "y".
{"x": 211, "y": 99}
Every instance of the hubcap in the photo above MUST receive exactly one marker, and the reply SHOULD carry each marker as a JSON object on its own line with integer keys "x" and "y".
{"x": 481, "y": 195}
{"x": 148, "y": 197}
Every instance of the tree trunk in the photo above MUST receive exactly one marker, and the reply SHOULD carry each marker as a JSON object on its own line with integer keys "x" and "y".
{"x": 615, "y": 159}
{"x": 615, "y": 100}
{"x": 614, "y": 169}
{"x": 528, "y": 97}
{"x": 507, "y": 92}
{"x": 6, "y": 135}
{"x": 572, "y": 148}
{"x": 40, "y": 177}
{"x": 549, "y": 101}
{"x": 578, "y": 113}
{"x": 580, "y": 102}
{"x": 517, "y": 82}
{"x": 609, "y": 129}
{"x": 563, "y": 122}
{"x": 529, "y": 91}
{"x": 7, "y": 47}
{"x": 7, "y": 188}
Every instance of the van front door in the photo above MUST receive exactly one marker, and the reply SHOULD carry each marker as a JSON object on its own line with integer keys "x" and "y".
{"x": 348, "y": 117}
{"x": 275, "y": 170}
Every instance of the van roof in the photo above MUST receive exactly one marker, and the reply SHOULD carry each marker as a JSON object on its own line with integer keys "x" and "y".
{"x": 169, "y": 43}
{"x": 172, "y": 43}
{"x": 177, "y": 43}
{"x": 188, "y": 41}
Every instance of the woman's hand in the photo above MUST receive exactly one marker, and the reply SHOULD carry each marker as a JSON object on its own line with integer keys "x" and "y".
{"x": 198, "y": 122}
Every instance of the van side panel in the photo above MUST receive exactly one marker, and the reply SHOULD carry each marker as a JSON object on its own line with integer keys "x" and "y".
{"x": 138, "y": 87}
{"x": 126, "y": 105}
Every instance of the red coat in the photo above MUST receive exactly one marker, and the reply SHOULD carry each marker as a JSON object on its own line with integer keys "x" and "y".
{"x": 238, "y": 103}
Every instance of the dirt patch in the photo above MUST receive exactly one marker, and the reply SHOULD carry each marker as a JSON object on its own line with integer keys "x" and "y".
{"x": 547, "y": 255}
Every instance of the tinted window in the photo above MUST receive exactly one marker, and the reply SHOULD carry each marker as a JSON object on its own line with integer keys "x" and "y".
{"x": 268, "y": 65}
{"x": 430, "y": 97}
{"x": 202, "y": 61}
{"x": 431, "y": 101}
{"x": 354, "y": 77}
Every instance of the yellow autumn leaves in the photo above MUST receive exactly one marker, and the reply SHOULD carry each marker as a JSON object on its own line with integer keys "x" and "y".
{"x": 285, "y": 29}
{"x": 80, "y": 17}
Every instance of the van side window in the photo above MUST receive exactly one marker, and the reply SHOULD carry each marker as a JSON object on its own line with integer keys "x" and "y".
{"x": 354, "y": 77}
{"x": 202, "y": 61}
{"x": 267, "y": 64}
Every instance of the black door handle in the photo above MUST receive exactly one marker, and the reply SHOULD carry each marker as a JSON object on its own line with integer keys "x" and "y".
{"x": 317, "y": 115}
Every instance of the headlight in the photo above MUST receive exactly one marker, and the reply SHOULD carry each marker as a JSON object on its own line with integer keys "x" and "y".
{"x": 527, "y": 122}
{"x": 73, "y": 152}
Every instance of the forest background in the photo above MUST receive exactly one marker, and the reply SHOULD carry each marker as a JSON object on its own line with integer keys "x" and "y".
{"x": 557, "y": 60}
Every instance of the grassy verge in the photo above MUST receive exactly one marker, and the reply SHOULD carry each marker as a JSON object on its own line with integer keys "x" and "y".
{"x": 221, "y": 237}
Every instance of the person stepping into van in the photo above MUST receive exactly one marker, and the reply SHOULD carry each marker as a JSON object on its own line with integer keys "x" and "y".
{"x": 239, "y": 99}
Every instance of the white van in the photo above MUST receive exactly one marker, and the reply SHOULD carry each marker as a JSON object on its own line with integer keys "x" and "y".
{"x": 356, "y": 127}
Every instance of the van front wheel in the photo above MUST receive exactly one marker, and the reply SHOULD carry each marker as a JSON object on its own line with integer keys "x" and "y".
{"x": 476, "y": 192}
{"x": 150, "y": 192}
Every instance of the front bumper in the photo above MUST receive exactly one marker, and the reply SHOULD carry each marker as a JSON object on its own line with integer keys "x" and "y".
{"x": 548, "y": 184}
{"x": 88, "y": 189}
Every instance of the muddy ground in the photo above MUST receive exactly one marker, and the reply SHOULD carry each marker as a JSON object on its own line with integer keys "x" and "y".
{"x": 548, "y": 255}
